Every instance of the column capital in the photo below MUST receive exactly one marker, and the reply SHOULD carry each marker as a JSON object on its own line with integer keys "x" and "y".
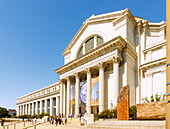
{"x": 116, "y": 59}
{"x": 101, "y": 65}
{"x": 88, "y": 70}
{"x": 76, "y": 75}
{"x": 67, "y": 78}
{"x": 139, "y": 26}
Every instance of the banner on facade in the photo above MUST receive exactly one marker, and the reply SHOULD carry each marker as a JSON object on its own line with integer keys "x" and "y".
{"x": 83, "y": 91}
{"x": 82, "y": 97}
{"x": 72, "y": 95}
{"x": 95, "y": 91}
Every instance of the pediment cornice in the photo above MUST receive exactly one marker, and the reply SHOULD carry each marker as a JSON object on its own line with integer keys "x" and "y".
{"x": 110, "y": 17}
{"x": 116, "y": 43}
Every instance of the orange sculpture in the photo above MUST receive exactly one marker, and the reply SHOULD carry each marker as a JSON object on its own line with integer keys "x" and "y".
{"x": 123, "y": 104}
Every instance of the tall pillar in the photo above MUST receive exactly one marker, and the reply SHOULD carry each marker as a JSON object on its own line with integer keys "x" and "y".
{"x": 41, "y": 106}
{"x": 46, "y": 106}
{"x": 61, "y": 96}
{"x": 51, "y": 106}
{"x": 36, "y": 108}
{"x": 64, "y": 99}
{"x": 20, "y": 110}
{"x": 77, "y": 94}
{"x": 68, "y": 96}
{"x": 26, "y": 109}
{"x": 23, "y": 109}
{"x": 33, "y": 108}
{"x": 29, "y": 109}
{"x": 17, "y": 110}
{"x": 115, "y": 85}
{"x": 88, "y": 99}
{"x": 101, "y": 87}
{"x": 57, "y": 105}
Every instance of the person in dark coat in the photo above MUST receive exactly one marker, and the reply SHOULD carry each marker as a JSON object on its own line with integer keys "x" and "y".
{"x": 56, "y": 120}
{"x": 60, "y": 121}
{"x": 2, "y": 122}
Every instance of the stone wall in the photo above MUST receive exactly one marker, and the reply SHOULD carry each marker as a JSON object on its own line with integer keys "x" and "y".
{"x": 152, "y": 110}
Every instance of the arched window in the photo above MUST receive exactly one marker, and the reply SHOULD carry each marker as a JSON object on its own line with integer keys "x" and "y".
{"x": 99, "y": 41}
{"x": 80, "y": 52}
{"x": 90, "y": 44}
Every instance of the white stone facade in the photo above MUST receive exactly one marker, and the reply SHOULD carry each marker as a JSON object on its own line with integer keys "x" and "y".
{"x": 119, "y": 48}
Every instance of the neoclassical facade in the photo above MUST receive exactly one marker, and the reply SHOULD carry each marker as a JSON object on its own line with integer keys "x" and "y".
{"x": 108, "y": 52}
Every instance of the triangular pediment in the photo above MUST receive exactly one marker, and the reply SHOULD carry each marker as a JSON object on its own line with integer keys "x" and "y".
{"x": 113, "y": 16}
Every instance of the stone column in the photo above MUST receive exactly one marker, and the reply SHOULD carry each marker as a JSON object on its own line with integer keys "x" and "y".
{"x": 88, "y": 99}
{"x": 57, "y": 105}
{"x": 77, "y": 94}
{"x": 33, "y": 108}
{"x": 115, "y": 80}
{"x": 64, "y": 99}
{"x": 29, "y": 109}
{"x": 101, "y": 87}
{"x": 26, "y": 109}
{"x": 20, "y": 110}
{"x": 68, "y": 96}
{"x": 51, "y": 106}
{"x": 46, "y": 106}
{"x": 36, "y": 108}
{"x": 17, "y": 110}
{"x": 61, "y": 96}
{"x": 41, "y": 106}
{"x": 23, "y": 109}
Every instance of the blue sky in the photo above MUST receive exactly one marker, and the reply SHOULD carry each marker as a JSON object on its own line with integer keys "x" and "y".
{"x": 34, "y": 33}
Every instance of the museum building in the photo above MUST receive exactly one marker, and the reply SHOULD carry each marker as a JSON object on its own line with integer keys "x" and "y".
{"x": 108, "y": 52}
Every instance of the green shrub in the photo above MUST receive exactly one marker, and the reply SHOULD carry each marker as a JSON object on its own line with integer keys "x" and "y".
{"x": 157, "y": 97}
{"x": 145, "y": 100}
{"x": 152, "y": 98}
{"x": 164, "y": 97}
{"x": 132, "y": 111}
{"x": 46, "y": 114}
{"x": 109, "y": 113}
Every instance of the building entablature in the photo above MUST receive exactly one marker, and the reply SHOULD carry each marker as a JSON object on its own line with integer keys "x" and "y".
{"x": 116, "y": 43}
{"x": 154, "y": 47}
{"x": 154, "y": 63}
{"x": 44, "y": 92}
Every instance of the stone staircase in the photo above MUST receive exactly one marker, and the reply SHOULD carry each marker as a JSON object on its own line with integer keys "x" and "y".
{"x": 114, "y": 124}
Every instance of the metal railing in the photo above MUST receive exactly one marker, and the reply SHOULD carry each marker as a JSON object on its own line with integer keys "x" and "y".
{"x": 83, "y": 121}
{"x": 35, "y": 125}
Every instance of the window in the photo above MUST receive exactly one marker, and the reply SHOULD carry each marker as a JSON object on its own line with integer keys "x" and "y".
{"x": 99, "y": 41}
{"x": 80, "y": 52}
{"x": 90, "y": 44}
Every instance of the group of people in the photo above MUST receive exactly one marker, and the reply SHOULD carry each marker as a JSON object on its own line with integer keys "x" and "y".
{"x": 58, "y": 120}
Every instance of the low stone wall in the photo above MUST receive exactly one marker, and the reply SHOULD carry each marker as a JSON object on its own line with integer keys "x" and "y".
{"x": 152, "y": 110}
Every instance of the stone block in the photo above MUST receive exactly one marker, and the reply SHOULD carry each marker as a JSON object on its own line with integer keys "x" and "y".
{"x": 151, "y": 110}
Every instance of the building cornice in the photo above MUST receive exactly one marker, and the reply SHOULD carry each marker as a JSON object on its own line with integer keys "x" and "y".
{"x": 127, "y": 15}
{"x": 158, "y": 45}
{"x": 117, "y": 42}
{"x": 38, "y": 97}
{"x": 153, "y": 63}
{"x": 47, "y": 87}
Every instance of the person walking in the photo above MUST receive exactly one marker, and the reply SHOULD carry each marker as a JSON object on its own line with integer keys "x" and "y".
{"x": 65, "y": 120}
{"x": 56, "y": 120}
{"x": 35, "y": 120}
{"x": 2, "y": 122}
